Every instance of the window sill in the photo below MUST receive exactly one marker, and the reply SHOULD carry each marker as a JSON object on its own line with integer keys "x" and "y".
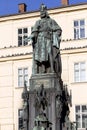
{"x": 80, "y": 82}
{"x": 19, "y": 87}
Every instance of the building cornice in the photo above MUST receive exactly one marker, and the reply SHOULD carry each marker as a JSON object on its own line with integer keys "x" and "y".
{"x": 15, "y": 57}
{"x": 24, "y": 56}
{"x": 74, "y": 50}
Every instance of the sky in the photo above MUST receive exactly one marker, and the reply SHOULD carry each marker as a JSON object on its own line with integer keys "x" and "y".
{"x": 8, "y": 7}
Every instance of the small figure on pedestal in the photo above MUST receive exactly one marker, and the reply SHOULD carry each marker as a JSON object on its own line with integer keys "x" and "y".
{"x": 25, "y": 97}
{"x": 42, "y": 123}
{"x": 41, "y": 100}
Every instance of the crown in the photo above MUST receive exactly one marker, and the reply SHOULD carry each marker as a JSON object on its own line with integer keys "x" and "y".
{"x": 43, "y": 7}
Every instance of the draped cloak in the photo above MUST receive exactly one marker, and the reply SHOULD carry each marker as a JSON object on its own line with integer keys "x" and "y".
{"x": 47, "y": 38}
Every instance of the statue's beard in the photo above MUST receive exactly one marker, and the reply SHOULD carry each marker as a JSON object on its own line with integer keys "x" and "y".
{"x": 43, "y": 15}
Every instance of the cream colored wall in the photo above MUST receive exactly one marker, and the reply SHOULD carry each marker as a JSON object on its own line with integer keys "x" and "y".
{"x": 79, "y": 90}
{"x": 6, "y": 33}
{"x": 65, "y": 74}
{"x": 6, "y": 95}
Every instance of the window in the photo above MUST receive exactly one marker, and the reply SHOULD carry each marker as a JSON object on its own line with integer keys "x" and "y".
{"x": 81, "y": 116}
{"x": 79, "y": 29}
{"x": 22, "y": 35}
{"x": 80, "y": 72}
{"x": 20, "y": 119}
{"x": 22, "y": 76}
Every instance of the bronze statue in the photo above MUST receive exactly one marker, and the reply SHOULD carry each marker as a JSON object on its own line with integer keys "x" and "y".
{"x": 46, "y": 37}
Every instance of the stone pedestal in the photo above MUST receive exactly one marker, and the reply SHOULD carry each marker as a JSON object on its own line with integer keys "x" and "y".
{"x": 53, "y": 88}
{"x": 49, "y": 80}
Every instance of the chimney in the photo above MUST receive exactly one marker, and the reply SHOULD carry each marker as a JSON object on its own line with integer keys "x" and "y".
{"x": 65, "y": 2}
{"x": 22, "y": 7}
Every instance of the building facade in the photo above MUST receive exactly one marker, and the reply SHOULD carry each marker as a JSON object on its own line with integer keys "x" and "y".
{"x": 16, "y": 61}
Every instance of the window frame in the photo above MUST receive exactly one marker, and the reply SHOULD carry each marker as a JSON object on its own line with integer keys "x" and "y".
{"x": 23, "y": 77}
{"x": 22, "y": 36}
{"x": 81, "y": 113}
{"x": 77, "y": 29}
{"x": 20, "y": 118}
{"x": 80, "y": 70}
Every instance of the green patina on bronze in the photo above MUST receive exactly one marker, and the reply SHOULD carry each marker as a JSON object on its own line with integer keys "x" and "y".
{"x": 46, "y": 37}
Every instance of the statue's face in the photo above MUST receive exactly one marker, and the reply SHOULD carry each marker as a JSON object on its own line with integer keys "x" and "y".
{"x": 43, "y": 13}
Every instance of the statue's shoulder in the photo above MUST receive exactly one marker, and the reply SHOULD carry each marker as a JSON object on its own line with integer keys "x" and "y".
{"x": 51, "y": 20}
{"x": 54, "y": 23}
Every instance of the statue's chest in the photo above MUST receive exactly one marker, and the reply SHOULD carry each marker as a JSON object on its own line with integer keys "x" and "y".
{"x": 44, "y": 23}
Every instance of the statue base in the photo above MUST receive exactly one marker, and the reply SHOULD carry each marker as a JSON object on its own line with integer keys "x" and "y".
{"x": 49, "y": 80}
{"x": 53, "y": 86}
